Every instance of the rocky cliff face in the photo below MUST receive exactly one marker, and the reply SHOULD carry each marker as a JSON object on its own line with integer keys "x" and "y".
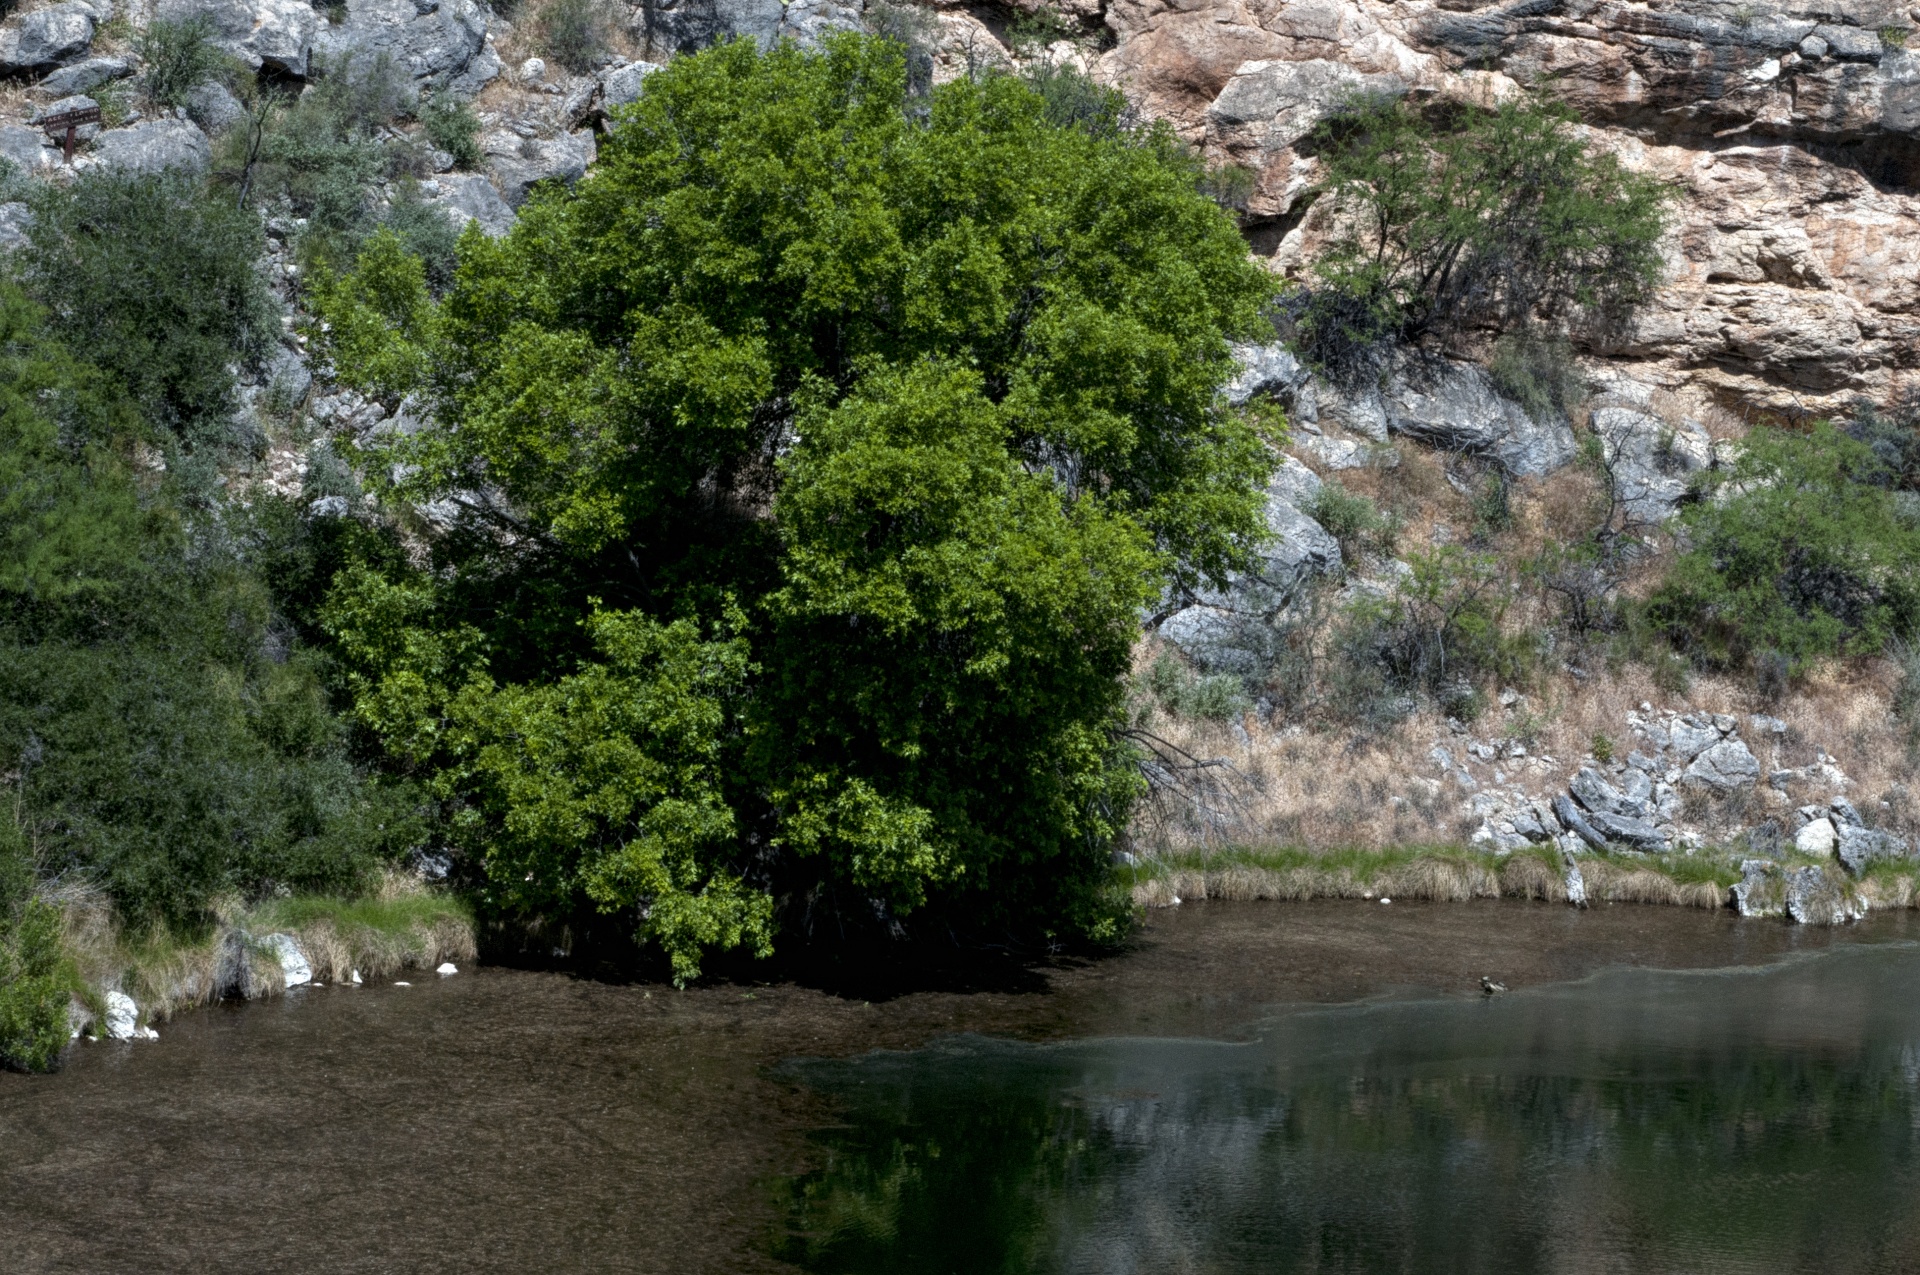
{"x": 1792, "y": 130}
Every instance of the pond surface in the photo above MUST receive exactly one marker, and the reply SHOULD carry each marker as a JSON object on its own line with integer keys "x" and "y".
{"x": 1184, "y": 1107}
{"x": 1759, "y": 1119}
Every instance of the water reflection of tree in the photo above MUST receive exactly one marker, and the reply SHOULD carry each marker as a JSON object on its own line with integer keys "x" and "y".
{"x": 1675, "y": 1150}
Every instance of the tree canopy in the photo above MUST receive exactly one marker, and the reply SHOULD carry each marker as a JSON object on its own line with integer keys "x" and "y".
{"x": 789, "y": 493}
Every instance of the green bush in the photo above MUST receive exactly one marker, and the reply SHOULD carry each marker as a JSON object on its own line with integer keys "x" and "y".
{"x": 1183, "y": 693}
{"x": 426, "y": 232}
{"x": 179, "y": 54}
{"x": 36, "y": 984}
{"x": 154, "y": 280}
{"x": 1800, "y": 548}
{"x": 1031, "y": 31}
{"x": 1439, "y": 631}
{"x": 1538, "y": 373}
{"x": 1470, "y": 219}
{"x": 1355, "y": 521}
{"x": 939, "y": 462}
{"x": 167, "y": 736}
{"x": 575, "y": 33}
{"x": 1071, "y": 100}
{"x": 453, "y": 127}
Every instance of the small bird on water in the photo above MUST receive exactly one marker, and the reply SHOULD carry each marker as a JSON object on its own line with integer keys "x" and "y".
{"x": 1491, "y": 988}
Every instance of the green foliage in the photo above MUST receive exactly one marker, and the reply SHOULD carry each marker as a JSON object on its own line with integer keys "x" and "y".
{"x": 926, "y": 385}
{"x": 1031, "y": 31}
{"x": 325, "y": 153}
{"x": 165, "y": 736}
{"x": 153, "y": 279}
{"x": 1538, "y": 373}
{"x": 1070, "y": 99}
{"x": 1468, "y": 218}
{"x": 1601, "y": 746}
{"x": 37, "y": 980}
{"x": 1439, "y": 631}
{"x": 424, "y": 232}
{"x": 1229, "y": 185}
{"x": 1800, "y": 549}
{"x": 575, "y": 33}
{"x": 179, "y": 54}
{"x": 453, "y": 127}
{"x": 1219, "y": 697}
{"x": 1355, "y": 521}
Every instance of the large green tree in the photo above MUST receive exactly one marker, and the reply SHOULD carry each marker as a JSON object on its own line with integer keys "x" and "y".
{"x": 792, "y": 488}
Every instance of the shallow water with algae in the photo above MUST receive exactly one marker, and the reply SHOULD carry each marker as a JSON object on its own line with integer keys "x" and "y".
{"x": 1757, "y": 1119}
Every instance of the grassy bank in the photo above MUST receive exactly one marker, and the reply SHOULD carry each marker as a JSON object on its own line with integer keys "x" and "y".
{"x": 1453, "y": 874}
{"x": 405, "y": 925}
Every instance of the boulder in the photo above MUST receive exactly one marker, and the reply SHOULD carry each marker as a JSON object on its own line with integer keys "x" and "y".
{"x": 155, "y": 146}
{"x": 1816, "y": 839}
{"x": 683, "y": 26}
{"x": 621, "y": 85}
{"x": 1628, "y": 830}
{"x": 213, "y": 108}
{"x": 1726, "y": 766}
{"x": 1454, "y": 406}
{"x": 1856, "y": 847}
{"x": 1596, "y": 794}
{"x": 1689, "y": 736}
{"x": 123, "y": 1016}
{"x": 15, "y": 218}
{"x": 1270, "y": 104}
{"x": 1652, "y": 461}
{"x": 1264, "y": 369}
{"x": 443, "y": 43}
{"x": 26, "y": 148}
{"x": 285, "y": 950}
{"x": 1813, "y": 898}
{"x": 288, "y": 378}
{"x": 46, "y": 37}
{"x": 84, "y": 77}
{"x": 276, "y": 35}
{"x": 466, "y": 197}
{"x": 1295, "y": 483}
{"x": 1759, "y": 890}
{"x": 1573, "y": 821}
{"x": 519, "y": 163}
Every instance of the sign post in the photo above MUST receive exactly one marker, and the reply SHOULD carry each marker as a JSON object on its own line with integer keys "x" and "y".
{"x": 69, "y": 122}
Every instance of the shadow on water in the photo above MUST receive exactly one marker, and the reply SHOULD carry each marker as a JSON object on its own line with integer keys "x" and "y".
{"x": 1754, "y": 1120}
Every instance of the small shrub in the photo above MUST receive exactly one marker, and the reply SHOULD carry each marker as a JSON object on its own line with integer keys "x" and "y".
{"x": 911, "y": 25}
{"x": 1601, "y": 746}
{"x": 1069, "y": 99}
{"x": 575, "y": 33}
{"x": 1355, "y": 521}
{"x": 1032, "y": 32}
{"x": 453, "y": 127}
{"x": 1470, "y": 219}
{"x": 1802, "y": 551}
{"x": 1219, "y": 697}
{"x": 1894, "y": 37}
{"x": 1229, "y": 185}
{"x": 426, "y": 232}
{"x": 1538, "y": 373}
{"x": 179, "y": 54}
{"x": 154, "y": 278}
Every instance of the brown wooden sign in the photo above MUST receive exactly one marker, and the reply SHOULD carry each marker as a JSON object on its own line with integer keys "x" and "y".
{"x": 66, "y": 122}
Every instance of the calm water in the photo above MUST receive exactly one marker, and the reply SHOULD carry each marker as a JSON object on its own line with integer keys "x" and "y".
{"x": 1760, "y": 1120}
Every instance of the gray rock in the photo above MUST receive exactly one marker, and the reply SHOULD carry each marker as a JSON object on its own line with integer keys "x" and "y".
{"x": 1455, "y": 407}
{"x": 621, "y": 86}
{"x": 1759, "y": 891}
{"x": 155, "y": 146}
{"x": 328, "y": 507}
{"x": 1358, "y": 410}
{"x": 466, "y": 197}
{"x": 1593, "y": 791}
{"x": 1573, "y": 821}
{"x": 46, "y": 37}
{"x": 1844, "y": 813}
{"x": 1628, "y": 830}
{"x": 1764, "y": 725}
{"x": 1812, "y": 898}
{"x": 1728, "y": 765}
{"x": 1691, "y": 736}
{"x": 277, "y": 35}
{"x": 15, "y": 218}
{"x": 1264, "y": 369}
{"x": 285, "y": 949}
{"x": 1652, "y": 462}
{"x": 1813, "y": 47}
{"x": 1856, "y": 847}
{"x": 683, "y": 26}
{"x": 1576, "y": 885}
{"x": 1295, "y": 483}
{"x": 213, "y": 108}
{"x": 444, "y": 44}
{"x": 1850, "y": 44}
{"x": 26, "y": 149}
{"x": 288, "y": 377}
{"x": 518, "y": 163}
{"x": 1274, "y": 104}
{"x": 123, "y": 1016}
{"x": 84, "y": 77}
{"x": 1815, "y": 838}
{"x": 807, "y": 21}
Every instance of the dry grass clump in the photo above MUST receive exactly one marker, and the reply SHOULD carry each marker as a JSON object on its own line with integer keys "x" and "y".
{"x": 1527, "y": 876}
